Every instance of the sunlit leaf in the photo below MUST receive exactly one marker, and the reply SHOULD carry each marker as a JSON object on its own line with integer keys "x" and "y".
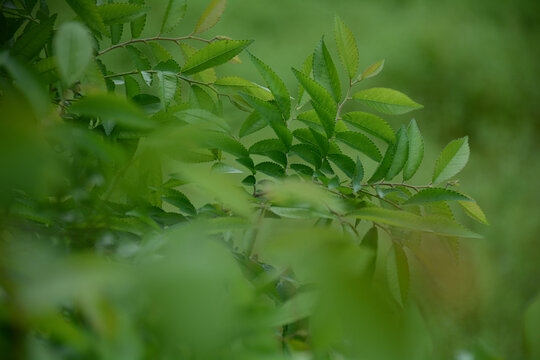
{"x": 387, "y": 101}
{"x": 174, "y": 13}
{"x": 210, "y": 16}
{"x": 451, "y": 160}
{"x": 214, "y": 54}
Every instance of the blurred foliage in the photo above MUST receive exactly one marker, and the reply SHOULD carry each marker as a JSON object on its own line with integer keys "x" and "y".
{"x": 127, "y": 231}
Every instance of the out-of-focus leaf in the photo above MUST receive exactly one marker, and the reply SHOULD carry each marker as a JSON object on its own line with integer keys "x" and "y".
{"x": 33, "y": 39}
{"x": 174, "y": 13}
{"x": 210, "y": 16}
{"x": 73, "y": 47}
{"x": 88, "y": 12}
{"x": 167, "y": 87}
{"x": 474, "y": 211}
{"x": 180, "y": 200}
{"x": 398, "y": 274}
{"x": 253, "y": 123}
{"x": 137, "y": 25}
{"x": 118, "y": 13}
{"x": 358, "y": 175}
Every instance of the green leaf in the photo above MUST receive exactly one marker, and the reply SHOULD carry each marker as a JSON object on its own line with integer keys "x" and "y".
{"x": 214, "y": 54}
{"x": 302, "y": 169}
{"x": 297, "y": 213}
{"x": 270, "y": 169}
{"x": 223, "y": 168}
{"x": 167, "y": 87}
{"x": 401, "y": 153}
{"x": 137, "y": 26}
{"x": 324, "y": 70}
{"x": 132, "y": 86}
{"x": 249, "y": 180}
{"x": 307, "y": 152}
{"x": 435, "y": 195}
{"x": 276, "y": 86}
{"x": 398, "y": 274}
{"x": 372, "y": 124}
{"x": 233, "y": 84}
{"x": 114, "y": 108}
{"x": 73, "y": 46}
{"x": 404, "y": 219}
{"x": 225, "y": 143}
{"x": 121, "y": 13}
{"x": 373, "y": 70}
{"x": 181, "y": 201}
{"x": 306, "y": 70}
{"x": 346, "y": 45}
{"x": 345, "y": 163}
{"x": 360, "y": 142}
{"x": 208, "y": 75}
{"x": 271, "y": 113}
{"x": 116, "y": 33}
{"x": 253, "y": 123}
{"x": 174, "y": 13}
{"x": 473, "y": 210}
{"x": 384, "y": 165}
{"x": 452, "y": 160}
{"x": 141, "y": 62}
{"x": 322, "y": 102}
{"x": 160, "y": 53}
{"x": 28, "y": 82}
{"x": 416, "y": 150}
{"x": 263, "y": 146}
{"x": 33, "y": 39}
{"x": 88, "y": 12}
{"x": 210, "y": 16}
{"x": 387, "y": 101}
{"x": 358, "y": 175}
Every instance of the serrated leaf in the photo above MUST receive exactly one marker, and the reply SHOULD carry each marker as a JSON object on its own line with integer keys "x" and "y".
{"x": 214, "y": 54}
{"x": 372, "y": 124}
{"x": 249, "y": 180}
{"x": 137, "y": 26}
{"x": 275, "y": 84}
{"x": 253, "y": 123}
{"x": 225, "y": 143}
{"x": 234, "y": 84}
{"x": 398, "y": 274}
{"x": 308, "y": 153}
{"x": 435, "y": 195}
{"x": 111, "y": 107}
{"x": 116, "y": 33}
{"x": 401, "y": 153}
{"x": 141, "y": 62}
{"x": 270, "y": 169}
{"x": 302, "y": 169}
{"x": 271, "y": 113}
{"x": 373, "y": 70}
{"x": 324, "y": 70}
{"x": 180, "y": 200}
{"x": 160, "y": 53}
{"x": 174, "y": 13}
{"x": 384, "y": 165}
{"x": 387, "y": 101}
{"x": 416, "y": 150}
{"x": 473, "y": 210}
{"x": 33, "y": 39}
{"x": 358, "y": 175}
{"x": 344, "y": 162}
{"x": 452, "y": 160}
{"x": 360, "y": 142}
{"x": 322, "y": 102}
{"x": 404, "y": 219}
{"x": 88, "y": 12}
{"x": 118, "y": 13}
{"x": 346, "y": 45}
{"x": 223, "y": 168}
{"x": 307, "y": 67}
{"x": 208, "y": 75}
{"x": 247, "y": 162}
{"x": 73, "y": 46}
{"x": 263, "y": 146}
{"x": 210, "y": 16}
{"x": 167, "y": 87}
{"x": 47, "y": 69}
{"x": 200, "y": 116}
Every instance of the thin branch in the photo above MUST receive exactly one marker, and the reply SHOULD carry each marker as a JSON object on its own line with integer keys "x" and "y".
{"x": 415, "y": 187}
{"x": 155, "y": 38}
{"x": 381, "y": 198}
{"x": 347, "y": 98}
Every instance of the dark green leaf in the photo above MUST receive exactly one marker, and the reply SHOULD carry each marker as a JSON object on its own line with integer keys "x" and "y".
{"x": 270, "y": 169}
{"x": 401, "y": 153}
{"x": 324, "y": 70}
{"x": 121, "y": 13}
{"x": 253, "y": 123}
{"x": 435, "y": 195}
{"x": 88, "y": 12}
{"x": 358, "y": 175}
{"x": 345, "y": 163}
{"x": 33, "y": 39}
{"x": 416, "y": 150}
{"x": 371, "y": 124}
{"x": 359, "y": 142}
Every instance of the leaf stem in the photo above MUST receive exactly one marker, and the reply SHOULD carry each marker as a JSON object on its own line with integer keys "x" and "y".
{"x": 155, "y": 38}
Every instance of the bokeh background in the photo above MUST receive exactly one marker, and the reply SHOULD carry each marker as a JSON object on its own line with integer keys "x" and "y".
{"x": 475, "y": 66}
